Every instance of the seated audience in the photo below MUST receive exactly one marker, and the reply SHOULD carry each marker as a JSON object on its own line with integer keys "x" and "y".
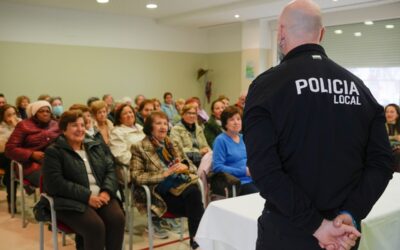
{"x": 101, "y": 123}
{"x": 190, "y": 136}
{"x": 57, "y": 107}
{"x": 124, "y": 134}
{"x": 30, "y": 138}
{"x": 44, "y": 97}
{"x": 87, "y": 117}
{"x": 22, "y": 103}
{"x": 201, "y": 113}
{"x": 178, "y": 106}
{"x": 155, "y": 162}
{"x": 91, "y": 99}
{"x": 145, "y": 109}
{"x": 109, "y": 100}
{"x": 80, "y": 175}
{"x": 392, "y": 114}
{"x": 8, "y": 121}
{"x": 168, "y": 106}
{"x": 138, "y": 100}
{"x": 157, "y": 104}
{"x": 229, "y": 151}
{"x": 224, "y": 99}
{"x": 3, "y": 100}
{"x": 213, "y": 127}
{"x": 241, "y": 101}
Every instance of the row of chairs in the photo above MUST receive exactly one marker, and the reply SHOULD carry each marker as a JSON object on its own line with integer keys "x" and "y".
{"x": 59, "y": 227}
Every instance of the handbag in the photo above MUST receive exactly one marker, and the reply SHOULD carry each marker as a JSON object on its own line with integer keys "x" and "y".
{"x": 41, "y": 210}
{"x": 192, "y": 179}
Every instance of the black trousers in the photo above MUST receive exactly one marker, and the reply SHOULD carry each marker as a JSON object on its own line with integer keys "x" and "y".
{"x": 189, "y": 204}
{"x": 100, "y": 228}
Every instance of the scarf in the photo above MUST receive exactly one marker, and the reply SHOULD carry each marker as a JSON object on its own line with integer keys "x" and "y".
{"x": 190, "y": 127}
{"x": 165, "y": 150}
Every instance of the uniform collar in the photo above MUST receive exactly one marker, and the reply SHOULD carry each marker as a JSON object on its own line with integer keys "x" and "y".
{"x": 305, "y": 48}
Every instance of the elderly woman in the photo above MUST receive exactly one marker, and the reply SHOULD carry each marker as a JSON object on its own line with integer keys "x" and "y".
{"x": 392, "y": 113}
{"x": 155, "y": 160}
{"x": 101, "y": 123}
{"x": 189, "y": 136}
{"x": 125, "y": 133}
{"x": 87, "y": 117}
{"x": 213, "y": 127}
{"x": 79, "y": 174}
{"x": 230, "y": 152}
{"x": 8, "y": 121}
{"x": 30, "y": 138}
{"x": 145, "y": 109}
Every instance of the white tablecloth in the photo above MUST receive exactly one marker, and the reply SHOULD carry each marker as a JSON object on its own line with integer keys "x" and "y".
{"x": 231, "y": 224}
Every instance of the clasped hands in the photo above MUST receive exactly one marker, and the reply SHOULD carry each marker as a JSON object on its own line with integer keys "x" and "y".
{"x": 176, "y": 168}
{"x": 97, "y": 201}
{"x": 339, "y": 234}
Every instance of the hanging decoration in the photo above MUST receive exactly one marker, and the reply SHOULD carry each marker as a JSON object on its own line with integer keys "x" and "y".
{"x": 208, "y": 84}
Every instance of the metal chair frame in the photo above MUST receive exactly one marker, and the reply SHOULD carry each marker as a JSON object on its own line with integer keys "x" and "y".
{"x": 20, "y": 179}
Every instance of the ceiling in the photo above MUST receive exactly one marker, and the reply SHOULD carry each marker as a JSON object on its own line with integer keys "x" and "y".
{"x": 197, "y": 13}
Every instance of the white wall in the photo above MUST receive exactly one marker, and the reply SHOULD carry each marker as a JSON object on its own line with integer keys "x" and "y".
{"x": 24, "y": 23}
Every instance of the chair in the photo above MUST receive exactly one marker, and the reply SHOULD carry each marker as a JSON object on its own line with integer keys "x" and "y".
{"x": 56, "y": 226}
{"x": 167, "y": 215}
{"x": 22, "y": 183}
{"x": 221, "y": 185}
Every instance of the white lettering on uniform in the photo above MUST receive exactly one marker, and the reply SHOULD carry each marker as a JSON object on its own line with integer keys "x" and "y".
{"x": 343, "y": 92}
{"x": 300, "y": 84}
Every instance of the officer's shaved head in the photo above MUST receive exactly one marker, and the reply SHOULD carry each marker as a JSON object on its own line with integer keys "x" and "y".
{"x": 299, "y": 23}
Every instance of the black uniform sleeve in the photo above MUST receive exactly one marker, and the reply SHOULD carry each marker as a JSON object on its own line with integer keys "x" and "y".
{"x": 377, "y": 173}
{"x": 266, "y": 170}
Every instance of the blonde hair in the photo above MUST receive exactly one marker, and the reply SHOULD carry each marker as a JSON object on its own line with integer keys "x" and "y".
{"x": 188, "y": 107}
{"x": 97, "y": 105}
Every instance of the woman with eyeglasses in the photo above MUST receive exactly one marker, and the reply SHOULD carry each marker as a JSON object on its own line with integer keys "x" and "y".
{"x": 188, "y": 135}
{"x": 30, "y": 138}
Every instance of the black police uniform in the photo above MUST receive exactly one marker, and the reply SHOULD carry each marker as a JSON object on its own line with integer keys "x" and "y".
{"x": 316, "y": 145}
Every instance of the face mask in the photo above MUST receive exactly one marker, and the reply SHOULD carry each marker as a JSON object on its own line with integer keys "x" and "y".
{"x": 58, "y": 110}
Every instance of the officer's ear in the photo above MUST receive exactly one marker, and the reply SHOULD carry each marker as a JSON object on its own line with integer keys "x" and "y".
{"x": 321, "y": 34}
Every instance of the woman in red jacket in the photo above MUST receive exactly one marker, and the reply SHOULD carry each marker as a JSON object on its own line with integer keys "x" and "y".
{"x": 30, "y": 138}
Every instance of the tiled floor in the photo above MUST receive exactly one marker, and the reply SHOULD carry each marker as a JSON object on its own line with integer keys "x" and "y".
{"x": 13, "y": 236}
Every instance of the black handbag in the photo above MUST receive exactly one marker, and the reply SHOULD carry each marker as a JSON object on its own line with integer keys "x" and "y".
{"x": 41, "y": 210}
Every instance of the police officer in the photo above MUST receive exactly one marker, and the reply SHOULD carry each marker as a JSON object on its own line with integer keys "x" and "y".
{"x": 316, "y": 142}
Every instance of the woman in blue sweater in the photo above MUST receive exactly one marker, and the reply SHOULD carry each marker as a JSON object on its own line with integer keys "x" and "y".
{"x": 229, "y": 154}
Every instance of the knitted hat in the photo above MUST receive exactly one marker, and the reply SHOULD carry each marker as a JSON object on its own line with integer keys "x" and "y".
{"x": 33, "y": 108}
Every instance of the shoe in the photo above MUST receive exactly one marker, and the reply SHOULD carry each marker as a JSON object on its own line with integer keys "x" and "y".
{"x": 164, "y": 224}
{"x": 29, "y": 189}
{"x": 158, "y": 231}
{"x": 174, "y": 225}
{"x": 194, "y": 245}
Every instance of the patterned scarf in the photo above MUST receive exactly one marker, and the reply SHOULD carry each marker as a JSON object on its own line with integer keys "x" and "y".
{"x": 165, "y": 150}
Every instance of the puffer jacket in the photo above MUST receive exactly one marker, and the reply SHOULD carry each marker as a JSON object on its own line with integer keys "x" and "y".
{"x": 28, "y": 136}
{"x": 65, "y": 177}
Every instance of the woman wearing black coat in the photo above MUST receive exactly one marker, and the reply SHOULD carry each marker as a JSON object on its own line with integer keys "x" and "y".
{"x": 79, "y": 174}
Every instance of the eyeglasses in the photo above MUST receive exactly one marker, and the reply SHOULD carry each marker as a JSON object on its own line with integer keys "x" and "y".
{"x": 191, "y": 113}
{"x": 43, "y": 111}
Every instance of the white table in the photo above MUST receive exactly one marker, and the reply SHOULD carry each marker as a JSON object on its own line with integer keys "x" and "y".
{"x": 231, "y": 224}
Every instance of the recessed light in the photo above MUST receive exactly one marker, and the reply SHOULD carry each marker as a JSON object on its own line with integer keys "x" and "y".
{"x": 357, "y": 34}
{"x": 338, "y": 32}
{"x": 237, "y": 16}
{"x": 335, "y": 0}
{"x": 151, "y": 6}
{"x": 102, "y": 1}
{"x": 368, "y": 23}
{"x": 389, "y": 26}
